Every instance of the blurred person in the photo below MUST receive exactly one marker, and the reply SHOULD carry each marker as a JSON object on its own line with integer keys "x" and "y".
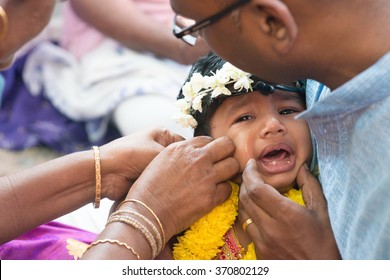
{"x": 116, "y": 60}
{"x": 35, "y": 196}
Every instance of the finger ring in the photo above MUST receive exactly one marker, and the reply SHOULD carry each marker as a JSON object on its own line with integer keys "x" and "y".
{"x": 246, "y": 224}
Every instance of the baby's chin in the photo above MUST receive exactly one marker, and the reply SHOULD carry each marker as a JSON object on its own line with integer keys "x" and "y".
{"x": 281, "y": 187}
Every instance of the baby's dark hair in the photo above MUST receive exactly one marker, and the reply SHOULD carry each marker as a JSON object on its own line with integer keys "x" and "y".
{"x": 208, "y": 66}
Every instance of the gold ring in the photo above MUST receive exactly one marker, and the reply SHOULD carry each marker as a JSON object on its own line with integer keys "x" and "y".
{"x": 246, "y": 224}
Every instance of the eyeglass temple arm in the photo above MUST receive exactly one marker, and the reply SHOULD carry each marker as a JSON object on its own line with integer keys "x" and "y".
{"x": 203, "y": 23}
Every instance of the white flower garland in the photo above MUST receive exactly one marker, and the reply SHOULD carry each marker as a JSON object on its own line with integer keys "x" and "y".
{"x": 215, "y": 85}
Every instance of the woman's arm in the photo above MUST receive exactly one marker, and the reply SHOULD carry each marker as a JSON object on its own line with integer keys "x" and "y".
{"x": 50, "y": 190}
{"x": 45, "y": 192}
{"x": 183, "y": 183}
{"x": 123, "y": 21}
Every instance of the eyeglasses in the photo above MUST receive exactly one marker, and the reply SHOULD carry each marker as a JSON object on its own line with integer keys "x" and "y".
{"x": 184, "y": 28}
{"x": 300, "y": 87}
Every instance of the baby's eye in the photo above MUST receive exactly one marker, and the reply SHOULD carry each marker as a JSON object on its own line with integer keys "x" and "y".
{"x": 288, "y": 111}
{"x": 243, "y": 118}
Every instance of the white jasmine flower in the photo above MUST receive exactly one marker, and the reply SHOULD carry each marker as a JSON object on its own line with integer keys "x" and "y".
{"x": 197, "y": 82}
{"x": 222, "y": 77}
{"x": 215, "y": 85}
{"x": 228, "y": 67}
{"x": 210, "y": 82}
{"x": 183, "y": 106}
{"x": 187, "y": 91}
{"x": 185, "y": 120}
{"x": 220, "y": 90}
{"x": 243, "y": 82}
{"x": 197, "y": 102}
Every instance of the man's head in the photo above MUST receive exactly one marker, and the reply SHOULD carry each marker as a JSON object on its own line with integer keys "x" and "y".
{"x": 256, "y": 28}
{"x": 219, "y": 99}
{"x": 282, "y": 41}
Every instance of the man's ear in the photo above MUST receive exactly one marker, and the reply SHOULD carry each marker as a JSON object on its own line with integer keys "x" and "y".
{"x": 276, "y": 21}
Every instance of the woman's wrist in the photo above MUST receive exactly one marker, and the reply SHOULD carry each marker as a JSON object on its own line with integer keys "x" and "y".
{"x": 135, "y": 245}
{"x": 115, "y": 173}
{"x": 133, "y": 231}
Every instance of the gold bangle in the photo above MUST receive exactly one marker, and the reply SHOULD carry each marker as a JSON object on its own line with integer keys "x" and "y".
{"x": 98, "y": 177}
{"x": 246, "y": 224}
{"x": 160, "y": 244}
{"x": 151, "y": 211}
{"x": 137, "y": 225}
{"x": 4, "y": 20}
{"x": 113, "y": 241}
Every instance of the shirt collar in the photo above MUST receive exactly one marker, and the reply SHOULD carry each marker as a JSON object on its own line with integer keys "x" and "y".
{"x": 368, "y": 87}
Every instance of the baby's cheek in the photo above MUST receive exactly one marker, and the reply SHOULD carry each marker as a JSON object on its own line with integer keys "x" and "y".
{"x": 243, "y": 157}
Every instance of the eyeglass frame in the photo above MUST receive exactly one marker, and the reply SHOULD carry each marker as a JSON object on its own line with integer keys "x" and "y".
{"x": 266, "y": 88}
{"x": 205, "y": 22}
{"x": 270, "y": 88}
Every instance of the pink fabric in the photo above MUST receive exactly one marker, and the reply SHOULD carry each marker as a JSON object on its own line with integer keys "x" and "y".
{"x": 46, "y": 242}
{"x": 78, "y": 37}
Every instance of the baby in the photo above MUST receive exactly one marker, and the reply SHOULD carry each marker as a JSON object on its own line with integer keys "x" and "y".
{"x": 219, "y": 99}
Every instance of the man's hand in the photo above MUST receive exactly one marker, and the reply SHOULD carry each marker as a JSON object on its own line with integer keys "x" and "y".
{"x": 124, "y": 159}
{"x": 281, "y": 228}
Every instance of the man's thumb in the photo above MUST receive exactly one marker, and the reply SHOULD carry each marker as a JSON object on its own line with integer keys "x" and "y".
{"x": 251, "y": 175}
{"x": 311, "y": 189}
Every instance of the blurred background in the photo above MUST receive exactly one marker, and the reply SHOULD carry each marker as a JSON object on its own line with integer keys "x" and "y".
{"x": 87, "y": 79}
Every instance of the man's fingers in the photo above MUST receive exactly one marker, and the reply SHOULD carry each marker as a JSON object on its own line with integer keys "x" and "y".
{"x": 199, "y": 141}
{"x": 246, "y": 221}
{"x": 216, "y": 149}
{"x": 167, "y": 137}
{"x": 223, "y": 192}
{"x": 251, "y": 174}
{"x": 264, "y": 196}
{"x": 226, "y": 169}
{"x": 311, "y": 190}
{"x": 220, "y": 148}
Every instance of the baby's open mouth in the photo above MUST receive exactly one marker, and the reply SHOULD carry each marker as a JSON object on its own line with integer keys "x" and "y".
{"x": 276, "y": 156}
{"x": 277, "y": 159}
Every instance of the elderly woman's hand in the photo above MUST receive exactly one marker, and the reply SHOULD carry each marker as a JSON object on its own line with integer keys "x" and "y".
{"x": 187, "y": 180}
{"x": 281, "y": 228}
{"x": 123, "y": 160}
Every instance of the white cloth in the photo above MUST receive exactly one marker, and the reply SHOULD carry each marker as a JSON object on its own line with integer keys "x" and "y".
{"x": 94, "y": 86}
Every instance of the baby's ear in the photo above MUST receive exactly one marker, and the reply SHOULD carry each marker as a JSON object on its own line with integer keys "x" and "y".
{"x": 275, "y": 20}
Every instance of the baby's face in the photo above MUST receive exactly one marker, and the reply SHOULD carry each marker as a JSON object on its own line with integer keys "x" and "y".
{"x": 263, "y": 128}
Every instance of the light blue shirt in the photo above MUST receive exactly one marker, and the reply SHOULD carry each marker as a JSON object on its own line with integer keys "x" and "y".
{"x": 352, "y": 130}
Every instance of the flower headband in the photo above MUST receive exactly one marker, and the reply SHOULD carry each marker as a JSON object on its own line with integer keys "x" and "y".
{"x": 200, "y": 89}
